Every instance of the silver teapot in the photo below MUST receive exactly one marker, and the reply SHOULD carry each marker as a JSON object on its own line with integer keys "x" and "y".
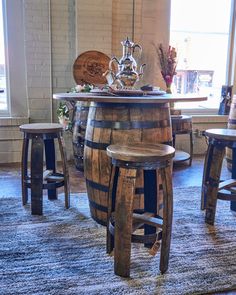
{"x": 127, "y": 74}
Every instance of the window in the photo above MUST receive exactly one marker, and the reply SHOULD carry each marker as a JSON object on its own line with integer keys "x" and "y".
{"x": 14, "y": 83}
{"x": 201, "y": 36}
{"x": 3, "y": 71}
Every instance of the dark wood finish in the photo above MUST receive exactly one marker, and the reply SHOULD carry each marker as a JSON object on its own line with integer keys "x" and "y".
{"x": 24, "y": 169}
{"x": 90, "y": 66}
{"x": 62, "y": 149}
{"x": 213, "y": 183}
{"x": 206, "y": 173}
{"x": 37, "y": 175}
{"x": 79, "y": 123}
{"x": 124, "y": 158}
{"x": 50, "y": 158}
{"x": 111, "y": 208}
{"x": 123, "y": 219}
{"x": 166, "y": 176}
{"x": 211, "y": 187}
{"x": 151, "y": 189}
{"x": 43, "y": 138}
{"x": 119, "y": 124}
{"x": 182, "y": 125}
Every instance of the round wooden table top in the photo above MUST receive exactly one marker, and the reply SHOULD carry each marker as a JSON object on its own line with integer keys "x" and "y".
{"x": 164, "y": 98}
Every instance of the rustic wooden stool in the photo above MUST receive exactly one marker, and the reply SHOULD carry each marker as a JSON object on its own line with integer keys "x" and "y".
{"x": 212, "y": 188}
{"x": 42, "y": 136}
{"x": 182, "y": 125}
{"x": 122, "y": 221}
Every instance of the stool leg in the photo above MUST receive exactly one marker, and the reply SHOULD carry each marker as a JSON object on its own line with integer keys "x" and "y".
{"x": 24, "y": 169}
{"x": 174, "y": 138}
{"x": 150, "y": 199}
{"x": 206, "y": 172}
{"x": 111, "y": 206}
{"x": 166, "y": 176}
{"x": 65, "y": 170}
{"x": 37, "y": 175}
{"x": 213, "y": 183}
{"x": 191, "y": 148}
{"x": 50, "y": 163}
{"x": 233, "y": 203}
{"x": 123, "y": 221}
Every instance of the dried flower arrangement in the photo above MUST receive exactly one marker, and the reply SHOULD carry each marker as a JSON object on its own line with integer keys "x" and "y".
{"x": 167, "y": 59}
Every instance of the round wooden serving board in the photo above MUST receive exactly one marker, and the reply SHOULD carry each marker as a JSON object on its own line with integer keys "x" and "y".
{"x": 89, "y": 67}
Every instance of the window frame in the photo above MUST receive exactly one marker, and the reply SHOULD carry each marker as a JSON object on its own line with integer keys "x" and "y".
{"x": 13, "y": 16}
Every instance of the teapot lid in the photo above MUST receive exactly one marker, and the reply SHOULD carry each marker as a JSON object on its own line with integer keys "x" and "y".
{"x": 127, "y": 43}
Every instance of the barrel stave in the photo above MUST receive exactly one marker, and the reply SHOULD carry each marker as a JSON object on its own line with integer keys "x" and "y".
{"x": 119, "y": 124}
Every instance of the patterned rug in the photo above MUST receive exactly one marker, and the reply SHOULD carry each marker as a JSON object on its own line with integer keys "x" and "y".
{"x": 63, "y": 252}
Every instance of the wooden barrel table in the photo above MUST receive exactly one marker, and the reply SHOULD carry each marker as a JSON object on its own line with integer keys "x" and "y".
{"x": 121, "y": 119}
{"x": 79, "y": 128}
{"x": 231, "y": 125}
{"x": 113, "y": 124}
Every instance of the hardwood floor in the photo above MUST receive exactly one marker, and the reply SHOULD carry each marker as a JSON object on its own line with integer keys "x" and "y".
{"x": 183, "y": 176}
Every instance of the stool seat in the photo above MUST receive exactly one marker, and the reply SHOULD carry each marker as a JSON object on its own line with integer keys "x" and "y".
{"x": 222, "y": 134}
{"x": 41, "y": 128}
{"x": 140, "y": 152}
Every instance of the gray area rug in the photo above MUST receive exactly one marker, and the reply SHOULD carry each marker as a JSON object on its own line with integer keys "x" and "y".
{"x": 63, "y": 252}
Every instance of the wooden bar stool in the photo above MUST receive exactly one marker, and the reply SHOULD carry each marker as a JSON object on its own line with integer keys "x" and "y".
{"x": 122, "y": 220}
{"x": 42, "y": 137}
{"x": 212, "y": 188}
{"x": 182, "y": 125}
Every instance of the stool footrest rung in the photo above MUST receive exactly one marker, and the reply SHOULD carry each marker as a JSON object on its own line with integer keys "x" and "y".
{"x": 227, "y": 183}
{"x": 147, "y": 218}
{"x": 52, "y": 181}
{"x": 226, "y": 195}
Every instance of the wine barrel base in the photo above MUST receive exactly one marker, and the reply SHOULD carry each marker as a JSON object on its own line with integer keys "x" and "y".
{"x": 114, "y": 123}
{"x": 79, "y": 129}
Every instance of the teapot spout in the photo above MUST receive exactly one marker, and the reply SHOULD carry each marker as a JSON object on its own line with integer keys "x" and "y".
{"x": 141, "y": 70}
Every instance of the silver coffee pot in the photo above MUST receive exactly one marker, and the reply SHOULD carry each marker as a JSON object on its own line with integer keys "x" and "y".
{"x": 127, "y": 74}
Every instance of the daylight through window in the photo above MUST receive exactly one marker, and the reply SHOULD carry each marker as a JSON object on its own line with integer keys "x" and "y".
{"x": 200, "y": 31}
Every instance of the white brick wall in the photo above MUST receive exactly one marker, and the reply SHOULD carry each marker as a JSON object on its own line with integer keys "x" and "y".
{"x": 38, "y": 59}
{"x": 94, "y": 25}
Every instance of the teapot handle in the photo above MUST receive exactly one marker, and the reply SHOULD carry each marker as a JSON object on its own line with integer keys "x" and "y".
{"x": 111, "y": 62}
{"x": 137, "y": 46}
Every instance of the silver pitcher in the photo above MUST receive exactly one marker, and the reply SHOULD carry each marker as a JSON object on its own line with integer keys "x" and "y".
{"x": 127, "y": 74}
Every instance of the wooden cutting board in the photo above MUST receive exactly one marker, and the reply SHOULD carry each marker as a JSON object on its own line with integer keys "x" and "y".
{"x": 89, "y": 67}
